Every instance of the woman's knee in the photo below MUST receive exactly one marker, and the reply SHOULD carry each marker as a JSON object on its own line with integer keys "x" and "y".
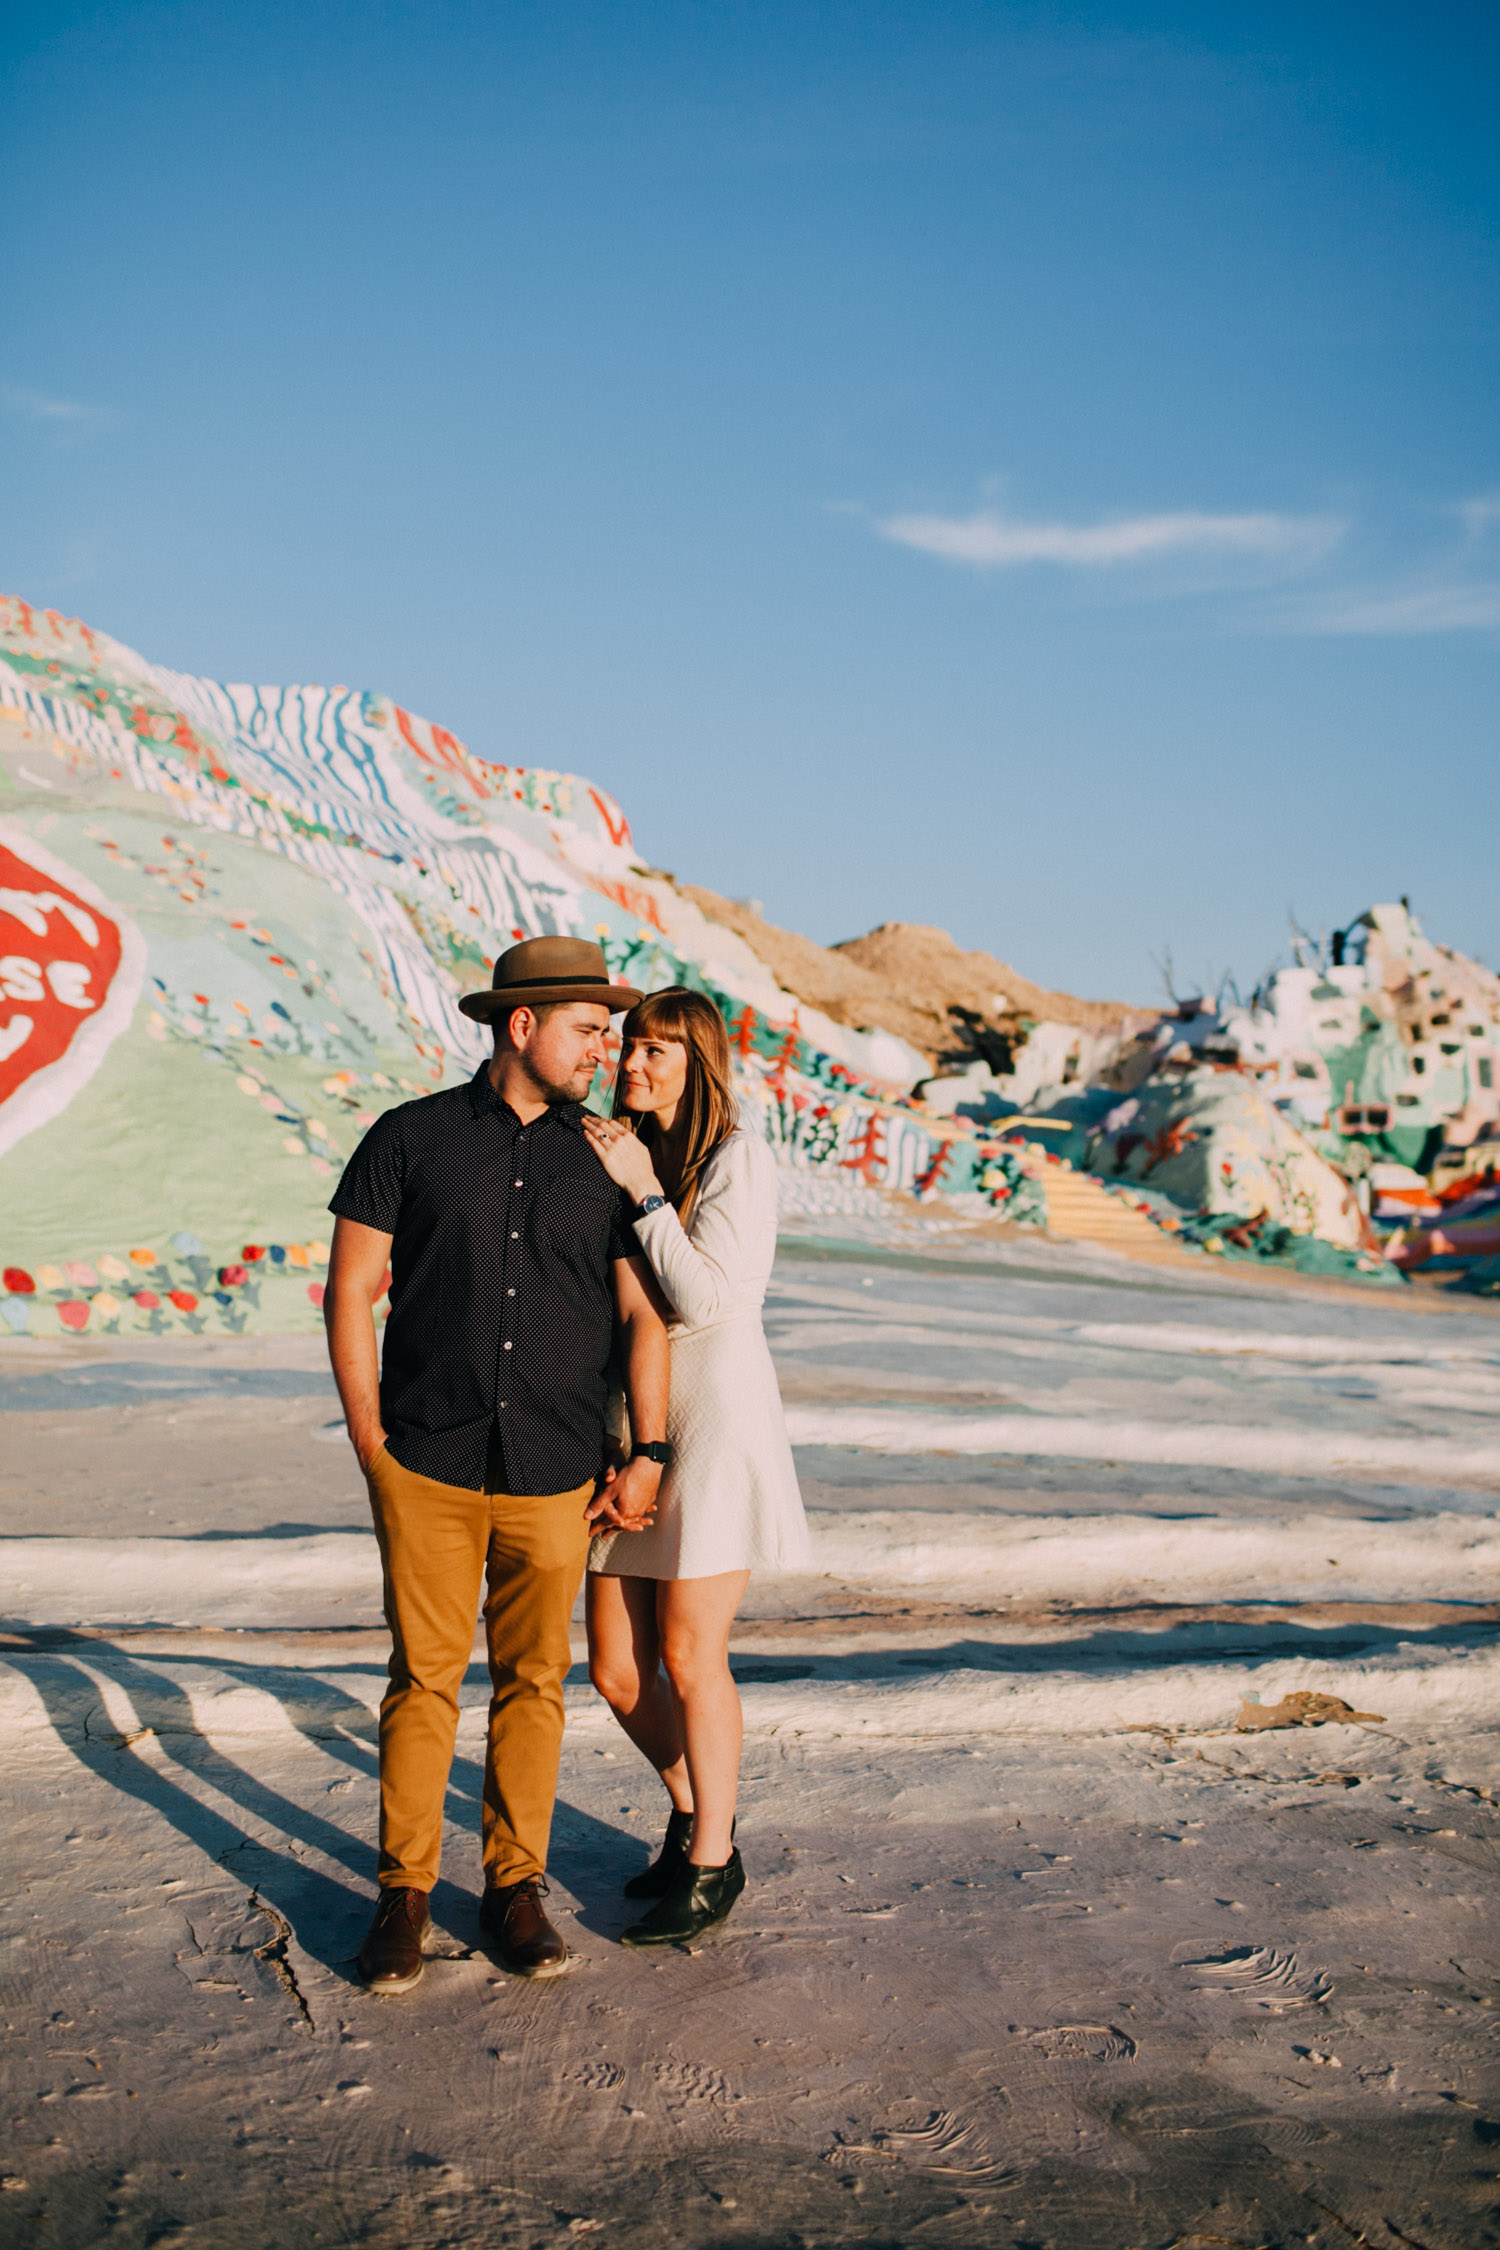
{"x": 616, "y": 1678}
{"x": 693, "y": 1663}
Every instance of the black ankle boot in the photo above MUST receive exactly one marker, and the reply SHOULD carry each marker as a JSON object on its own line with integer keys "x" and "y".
{"x": 656, "y": 1880}
{"x": 700, "y": 1897}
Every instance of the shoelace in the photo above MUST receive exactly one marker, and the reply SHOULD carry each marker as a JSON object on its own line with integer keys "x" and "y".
{"x": 538, "y": 1888}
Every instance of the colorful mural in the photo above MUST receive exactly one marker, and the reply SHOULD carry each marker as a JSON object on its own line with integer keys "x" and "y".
{"x": 72, "y": 983}
{"x": 234, "y": 924}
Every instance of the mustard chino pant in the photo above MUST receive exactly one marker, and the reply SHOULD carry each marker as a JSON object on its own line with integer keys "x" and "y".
{"x": 437, "y": 1543}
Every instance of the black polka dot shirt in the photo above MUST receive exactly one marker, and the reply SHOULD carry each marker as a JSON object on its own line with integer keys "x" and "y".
{"x": 494, "y": 1372}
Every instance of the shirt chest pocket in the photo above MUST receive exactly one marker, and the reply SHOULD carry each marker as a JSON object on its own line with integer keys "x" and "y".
{"x": 573, "y": 1222}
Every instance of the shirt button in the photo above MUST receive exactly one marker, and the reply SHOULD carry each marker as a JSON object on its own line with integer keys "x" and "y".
{"x": 515, "y": 1238}
{"x": 510, "y": 1292}
{"x": 507, "y": 1347}
{"x": 520, "y": 1183}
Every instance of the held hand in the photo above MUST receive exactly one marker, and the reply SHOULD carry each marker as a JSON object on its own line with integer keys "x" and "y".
{"x": 634, "y": 1494}
{"x": 624, "y": 1158}
{"x": 600, "y": 1511}
{"x": 626, "y": 1501}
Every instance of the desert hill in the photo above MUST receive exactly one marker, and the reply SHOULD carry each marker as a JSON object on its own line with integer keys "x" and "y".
{"x": 909, "y": 979}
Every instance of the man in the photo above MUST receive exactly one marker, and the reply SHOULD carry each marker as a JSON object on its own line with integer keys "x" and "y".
{"x": 482, "y": 1437}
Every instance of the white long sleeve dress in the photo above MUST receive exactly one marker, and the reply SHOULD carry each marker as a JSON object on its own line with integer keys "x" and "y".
{"x": 729, "y": 1498}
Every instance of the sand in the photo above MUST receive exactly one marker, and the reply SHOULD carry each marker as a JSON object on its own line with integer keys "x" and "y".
{"x": 1037, "y": 1949}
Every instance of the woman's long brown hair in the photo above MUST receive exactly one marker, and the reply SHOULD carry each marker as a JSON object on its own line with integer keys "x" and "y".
{"x": 708, "y": 1106}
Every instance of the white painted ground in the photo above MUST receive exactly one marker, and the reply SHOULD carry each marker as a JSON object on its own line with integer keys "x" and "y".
{"x": 1036, "y": 1949}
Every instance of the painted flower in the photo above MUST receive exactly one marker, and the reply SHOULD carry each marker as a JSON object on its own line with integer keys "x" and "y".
{"x": 183, "y": 1299}
{"x": 147, "y": 1299}
{"x": 233, "y": 1277}
{"x": 73, "y": 1312}
{"x": 19, "y": 1282}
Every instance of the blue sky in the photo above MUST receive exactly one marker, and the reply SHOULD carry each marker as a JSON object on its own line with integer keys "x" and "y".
{"x": 1030, "y": 469}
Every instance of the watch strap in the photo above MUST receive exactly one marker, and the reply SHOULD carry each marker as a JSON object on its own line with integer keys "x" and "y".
{"x": 656, "y": 1451}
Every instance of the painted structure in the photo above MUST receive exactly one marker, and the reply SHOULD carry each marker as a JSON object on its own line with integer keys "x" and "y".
{"x": 1392, "y": 1042}
{"x": 234, "y": 923}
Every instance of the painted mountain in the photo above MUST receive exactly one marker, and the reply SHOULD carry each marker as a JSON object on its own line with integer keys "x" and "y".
{"x": 234, "y": 923}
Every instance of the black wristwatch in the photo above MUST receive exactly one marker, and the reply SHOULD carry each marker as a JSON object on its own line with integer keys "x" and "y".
{"x": 650, "y": 1204}
{"x": 656, "y": 1451}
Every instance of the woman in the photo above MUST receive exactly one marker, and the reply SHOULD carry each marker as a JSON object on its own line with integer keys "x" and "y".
{"x": 661, "y": 1600}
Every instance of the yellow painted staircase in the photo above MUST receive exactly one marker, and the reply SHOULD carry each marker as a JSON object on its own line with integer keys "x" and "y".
{"x": 1081, "y": 1209}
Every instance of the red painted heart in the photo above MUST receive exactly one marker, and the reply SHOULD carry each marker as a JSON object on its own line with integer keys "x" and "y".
{"x": 59, "y": 956}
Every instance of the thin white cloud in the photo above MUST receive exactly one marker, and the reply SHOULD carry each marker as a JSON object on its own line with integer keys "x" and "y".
{"x": 1194, "y": 550}
{"x": 37, "y": 407}
{"x": 1427, "y": 609}
{"x": 67, "y": 417}
{"x": 1445, "y": 596}
{"x": 990, "y": 541}
{"x": 1480, "y": 514}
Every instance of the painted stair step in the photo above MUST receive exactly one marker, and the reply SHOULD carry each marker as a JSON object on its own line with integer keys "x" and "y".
{"x": 1080, "y": 1209}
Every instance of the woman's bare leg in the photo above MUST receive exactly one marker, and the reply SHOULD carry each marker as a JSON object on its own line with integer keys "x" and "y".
{"x": 693, "y": 1618}
{"x": 625, "y": 1667}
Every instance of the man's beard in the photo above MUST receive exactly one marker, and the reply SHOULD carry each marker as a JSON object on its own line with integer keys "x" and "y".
{"x": 554, "y": 1091}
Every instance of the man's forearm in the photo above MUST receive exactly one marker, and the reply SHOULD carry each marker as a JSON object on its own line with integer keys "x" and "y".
{"x": 648, "y": 1375}
{"x": 356, "y": 1367}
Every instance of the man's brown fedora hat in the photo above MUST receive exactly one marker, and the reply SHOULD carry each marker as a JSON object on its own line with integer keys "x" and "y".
{"x": 544, "y": 969}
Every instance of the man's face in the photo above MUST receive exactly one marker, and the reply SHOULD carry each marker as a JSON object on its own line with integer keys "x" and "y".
{"x": 563, "y": 1048}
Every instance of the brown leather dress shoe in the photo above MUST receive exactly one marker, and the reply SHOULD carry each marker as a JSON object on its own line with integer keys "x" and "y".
{"x": 390, "y": 1960}
{"x": 524, "y": 1938}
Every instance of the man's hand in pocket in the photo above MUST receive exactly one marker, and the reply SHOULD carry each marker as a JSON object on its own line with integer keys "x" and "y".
{"x": 367, "y": 1443}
